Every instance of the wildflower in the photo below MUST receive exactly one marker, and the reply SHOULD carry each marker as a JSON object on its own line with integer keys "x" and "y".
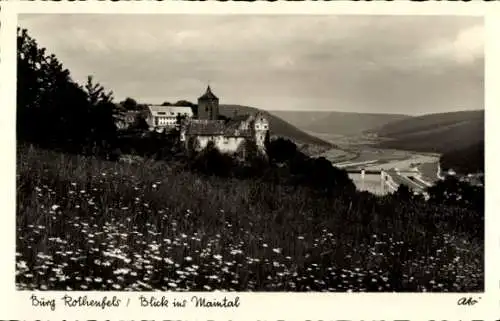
{"x": 277, "y": 250}
{"x": 121, "y": 271}
{"x": 55, "y": 207}
{"x": 22, "y": 265}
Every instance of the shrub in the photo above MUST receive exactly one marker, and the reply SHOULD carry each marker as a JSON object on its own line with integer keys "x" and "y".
{"x": 281, "y": 150}
{"x": 212, "y": 162}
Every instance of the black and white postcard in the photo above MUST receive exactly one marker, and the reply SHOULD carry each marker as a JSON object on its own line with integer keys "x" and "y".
{"x": 208, "y": 161}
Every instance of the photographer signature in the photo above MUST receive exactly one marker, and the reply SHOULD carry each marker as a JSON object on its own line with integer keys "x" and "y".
{"x": 469, "y": 301}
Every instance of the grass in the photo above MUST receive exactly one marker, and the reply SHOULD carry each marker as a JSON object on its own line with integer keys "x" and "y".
{"x": 88, "y": 224}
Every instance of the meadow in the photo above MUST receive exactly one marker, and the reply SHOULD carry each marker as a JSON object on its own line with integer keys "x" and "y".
{"x": 88, "y": 224}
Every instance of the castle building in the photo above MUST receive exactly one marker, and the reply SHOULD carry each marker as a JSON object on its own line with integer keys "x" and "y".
{"x": 166, "y": 117}
{"x": 230, "y": 136}
{"x": 208, "y": 106}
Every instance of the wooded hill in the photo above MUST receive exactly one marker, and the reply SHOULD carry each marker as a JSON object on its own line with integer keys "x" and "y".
{"x": 439, "y": 133}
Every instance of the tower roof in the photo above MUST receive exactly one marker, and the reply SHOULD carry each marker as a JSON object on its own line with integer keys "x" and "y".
{"x": 208, "y": 94}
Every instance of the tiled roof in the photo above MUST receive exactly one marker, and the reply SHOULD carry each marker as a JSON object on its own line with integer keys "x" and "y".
{"x": 172, "y": 111}
{"x": 216, "y": 128}
{"x": 205, "y": 127}
{"x": 208, "y": 95}
{"x": 233, "y": 130}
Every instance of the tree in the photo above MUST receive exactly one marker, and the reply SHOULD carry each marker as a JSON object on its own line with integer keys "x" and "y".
{"x": 212, "y": 162}
{"x": 141, "y": 123}
{"x": 267, "y": 140}
{"x": 184, "y": 103}
{"x": 53, "y": 110}
{"x": 403, "y": 193}
{"x": 452, "y": 191}
{"x": 101, "y": 112}
{"x": 281, "y": 150}
{"x": 179, "y": 119}
{"x": 129, "y": 104}
{"x": 321, "y": 174}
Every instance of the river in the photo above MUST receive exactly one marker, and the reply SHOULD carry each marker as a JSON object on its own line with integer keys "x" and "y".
{"x": 357, "y": 152}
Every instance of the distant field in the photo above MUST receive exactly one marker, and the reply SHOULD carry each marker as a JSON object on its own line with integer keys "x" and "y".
{"x": 339, "y": 155}
{"x": 381, "y": 154}
{"x": 405, "y": 164}
{"x": 346, "y": 141}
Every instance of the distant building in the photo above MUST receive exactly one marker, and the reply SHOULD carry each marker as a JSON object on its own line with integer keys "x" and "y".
{"x": 476, "y": 179}
{"x": 228, "y": 136}
{"x": 166, "y": 117}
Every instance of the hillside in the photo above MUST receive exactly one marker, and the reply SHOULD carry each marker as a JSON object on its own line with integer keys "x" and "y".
{"x": 440, "y": 133}
{"x": 279, "y": 127}
{"x": 173, "y": 220}
{"x": 465, "y": 160}
{"x": 334, "y": 122}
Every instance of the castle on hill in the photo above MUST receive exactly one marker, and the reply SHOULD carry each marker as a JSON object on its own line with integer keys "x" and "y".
{"x": 231, "y": 136}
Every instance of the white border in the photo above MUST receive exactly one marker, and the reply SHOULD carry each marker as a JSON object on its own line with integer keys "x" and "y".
{"x": 259, "y": 306}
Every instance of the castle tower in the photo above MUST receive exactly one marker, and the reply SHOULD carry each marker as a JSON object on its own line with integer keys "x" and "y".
{"x": 208, "y": 106}
{"x": 261, "y": 127}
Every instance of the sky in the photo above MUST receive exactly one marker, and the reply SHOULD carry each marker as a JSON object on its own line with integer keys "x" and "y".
{"x": 377, "y": 64}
